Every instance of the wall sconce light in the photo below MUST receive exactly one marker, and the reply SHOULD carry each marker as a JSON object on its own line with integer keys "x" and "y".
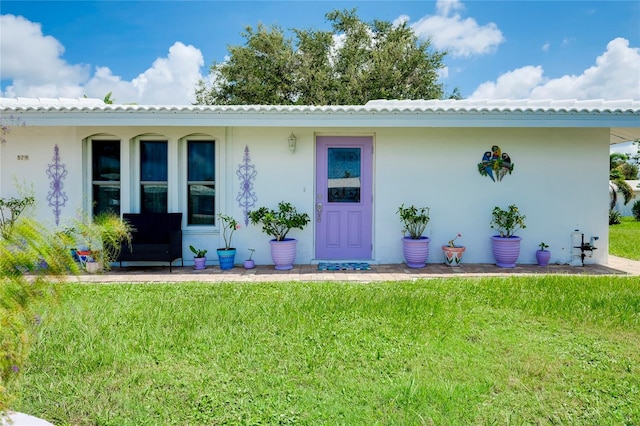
{"x": 292, "y": 142}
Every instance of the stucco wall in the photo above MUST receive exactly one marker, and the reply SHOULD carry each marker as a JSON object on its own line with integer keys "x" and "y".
{"x": 560, "y": 182}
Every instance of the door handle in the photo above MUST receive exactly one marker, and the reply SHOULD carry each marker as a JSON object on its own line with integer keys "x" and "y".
{"x": 319, "y": 211}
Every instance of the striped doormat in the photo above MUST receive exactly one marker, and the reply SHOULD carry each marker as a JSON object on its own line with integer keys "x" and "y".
{"x": 343, "y": 266}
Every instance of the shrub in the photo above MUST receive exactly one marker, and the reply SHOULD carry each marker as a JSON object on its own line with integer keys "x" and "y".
{"x": 507, "y": 222}
{"x": 278, "y": 223}
{"x": 614, "y": 217}
{"x": 636, "y": 210}
{"x": 414, "y": 219}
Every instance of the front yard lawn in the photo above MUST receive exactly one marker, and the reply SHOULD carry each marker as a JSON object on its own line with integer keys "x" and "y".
{"x": 521, "y": 350}
{"x": 624, "y": 239}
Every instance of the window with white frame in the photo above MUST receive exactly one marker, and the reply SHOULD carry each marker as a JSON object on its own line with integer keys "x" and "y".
{"x": 153, "y": 176}
{"x": 201, "y": 184}
{"x": 105, "y": 176}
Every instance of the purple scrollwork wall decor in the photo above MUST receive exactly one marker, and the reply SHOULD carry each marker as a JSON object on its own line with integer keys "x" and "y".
{"x": 246, "y": 173}
{"x": 56, "y": 171}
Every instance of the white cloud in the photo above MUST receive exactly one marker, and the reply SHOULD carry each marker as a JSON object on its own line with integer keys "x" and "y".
{"x": 33, "y": 62}
{"x": 32, "y": 57}
{"x": 462, "y": 37}
{"x": 516, "y": 84}
{"x": 615, "y": 75}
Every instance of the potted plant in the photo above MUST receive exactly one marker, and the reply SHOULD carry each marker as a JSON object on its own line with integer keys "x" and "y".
{"x": 227, "y": 255}
{"x": 249, "y": 263}
{"x": 199, "y": 258}
{"x": 415, "y": 247}
{"x": 453, "y": 253}
{"x": 100, "y": 240}
{"x": 506, "y": 245}
{"x": 278, "y": 223}
{"x": 542, "y": 255}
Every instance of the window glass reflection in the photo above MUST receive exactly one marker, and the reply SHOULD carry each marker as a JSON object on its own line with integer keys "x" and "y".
{"x": 153, "y": 161}
{"x": 344, "y": 175}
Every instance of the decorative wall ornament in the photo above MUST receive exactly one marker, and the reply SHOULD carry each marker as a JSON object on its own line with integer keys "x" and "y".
{"x": 495, "y": 164}
{"x": 246, "y": 173}
{"x": 57, "y": 198}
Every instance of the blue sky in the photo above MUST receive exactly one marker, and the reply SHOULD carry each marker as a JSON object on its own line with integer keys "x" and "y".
{"x": 153, "y": 52}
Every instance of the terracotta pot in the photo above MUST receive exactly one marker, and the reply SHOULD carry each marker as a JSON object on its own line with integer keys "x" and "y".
{"x": 416, "y": 252}
{"x": 452, "y": 255}
{"x": 283, "y": 253}
{"x": 506, "y": 250}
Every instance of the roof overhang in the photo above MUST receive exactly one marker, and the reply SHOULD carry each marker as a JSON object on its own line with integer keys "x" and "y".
{"x": 623, "y": 134}
{"x": 622, "y": 117}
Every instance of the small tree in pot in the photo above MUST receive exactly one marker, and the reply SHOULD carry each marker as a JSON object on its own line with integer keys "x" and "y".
{"x": 415, "y": 247}
{"x": 278, "y": 223}
{"x": 506, "y": 246}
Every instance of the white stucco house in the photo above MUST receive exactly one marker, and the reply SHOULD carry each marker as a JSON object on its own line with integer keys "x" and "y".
{"x": 348, "y": 167}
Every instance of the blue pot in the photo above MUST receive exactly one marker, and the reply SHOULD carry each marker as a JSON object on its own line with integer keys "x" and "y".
{"x": 226, "y": 258}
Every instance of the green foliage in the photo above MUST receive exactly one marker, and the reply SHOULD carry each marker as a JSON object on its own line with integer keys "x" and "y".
{"x": 616, "y": 159}
{"x": 507, "y": 222}
{"x": 199, "y": 253}
{"x": 614, "y": 217}
{"x": 30, "y": 258}
{"x": 414, "y": 220}
{"x": 622, "y": 186}
{"x": 635, "y": 210}
{"x": 10, "y": 211}
{"x": 624, "y": 239}
{"x": 628, "y": 171}
{"x": 621, "y": 168}
{"x": 278, "y": 223}
{"x": 439, "y": 351}
{"x": 103, "y": 236}
{"x": 543, "y": 245}
{"x": 377, "y": 60}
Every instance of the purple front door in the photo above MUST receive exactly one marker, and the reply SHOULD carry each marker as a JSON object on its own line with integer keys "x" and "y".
{"x": 344, "y": 197}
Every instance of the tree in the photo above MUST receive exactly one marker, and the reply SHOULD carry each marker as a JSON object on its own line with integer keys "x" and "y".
{"x": 617, "y": 179}
{"x": 350, "y": 65}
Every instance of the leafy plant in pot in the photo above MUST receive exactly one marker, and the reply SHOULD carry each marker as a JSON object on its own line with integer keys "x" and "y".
{"x": 199, "y": 257}
{"x": 277, "y": 224}
{"x": 506, "y": 245}
{"x": 415, "y": 247}
{"x": 542, "y": 255}
{"x": 100, "y": 239}
{"x": 227, "y": 255}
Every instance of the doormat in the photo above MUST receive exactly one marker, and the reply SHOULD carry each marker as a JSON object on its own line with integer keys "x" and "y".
{"x": 349, "y": 266}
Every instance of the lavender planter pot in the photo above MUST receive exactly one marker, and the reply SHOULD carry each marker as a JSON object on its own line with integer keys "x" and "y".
{"x": 283, "y": 253}
{"x": 543, "y": 256}
{"x": 199, "y": 263}
{"x": 416, "y": 252}
{"x": 506, "y": 250}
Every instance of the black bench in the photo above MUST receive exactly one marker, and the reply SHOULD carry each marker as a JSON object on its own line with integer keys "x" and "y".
{"x": 155, "y": 237}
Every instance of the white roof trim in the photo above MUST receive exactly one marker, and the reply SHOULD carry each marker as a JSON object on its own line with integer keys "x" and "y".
{"x": 622, "y": 117}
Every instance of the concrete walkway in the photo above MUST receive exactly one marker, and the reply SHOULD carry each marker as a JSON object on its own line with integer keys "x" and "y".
{"x": 397, "y": 272}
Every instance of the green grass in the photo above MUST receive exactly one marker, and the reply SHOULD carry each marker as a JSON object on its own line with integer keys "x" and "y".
{"x": 525, "y": 350}
{"x": 624, "y": 239}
